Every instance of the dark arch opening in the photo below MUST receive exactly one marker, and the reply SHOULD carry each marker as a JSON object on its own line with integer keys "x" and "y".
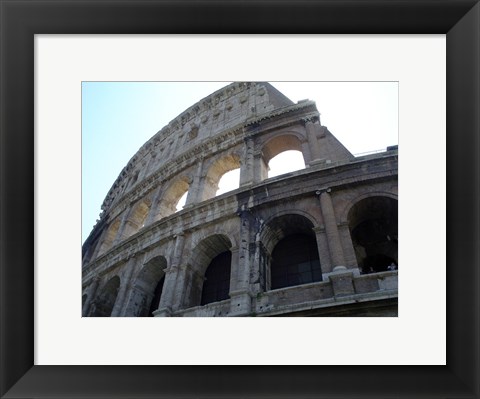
{"x": 147, "y": 289}
{"x": 104, "y": 302}
{"x": 210, "y": 257}
{"x": 156, "y": 297}
{"x": 373, "y": 224}
{"x": 216, "y": 285}
{"x": 295, "y": 261}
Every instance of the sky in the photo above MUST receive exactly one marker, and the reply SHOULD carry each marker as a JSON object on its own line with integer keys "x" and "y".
{"x": 119, "y": 117}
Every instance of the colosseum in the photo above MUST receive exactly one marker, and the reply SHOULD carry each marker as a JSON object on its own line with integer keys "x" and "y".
{"x": 320, "y": 241}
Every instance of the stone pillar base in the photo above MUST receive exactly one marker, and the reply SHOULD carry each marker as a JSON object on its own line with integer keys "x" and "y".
{"x": 240, "y": 303}
{"x": 341, "y": 269}
{"x": 163, "y": 312}
{"x": 342, "y": 281}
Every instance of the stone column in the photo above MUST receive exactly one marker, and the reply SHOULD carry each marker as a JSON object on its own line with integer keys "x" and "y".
{"x": 153, "y": 209}
{"x": 340, "y": 277}
{"x": 241, "y": 302}
{"x": 194, "y": 191}
{"x": 246, "y": 169}
{"x": 311, "y": 129}
{"x": 331, "y": 230}
{"x": 91, "y": 291}
{"x": 235, "y": 273}
{"x": 349, "y": 251}
{"x": 323, "y": 251}
{"x": 121, "y": 229}
{"x": 260, "y": 168}
{"x": 123, "y": 290}
{"x": 170, "y": 298}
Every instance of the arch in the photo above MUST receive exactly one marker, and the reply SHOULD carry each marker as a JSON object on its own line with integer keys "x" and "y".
{"x": 280, "y": 143}
{"x": 137, "y": 217}
{"x": 147, "y": 288}
{"x": 216, "y": 284}
{"x": 168, "y": 204}
{"x": 228, "y": 237}
{"x": 350, "y": 204}
{"x": 373, "y": 225}
{"x": 110, "y": 236}
{"x": 217, "y": 169}
{"x": 285, "y": 223}
{"x": 285, "y": 162}
{"x": 291, "y": 248}
{"x": 210, "y": 264}
{"x": 299, "y": 212}
{"x": 105, "y": 300}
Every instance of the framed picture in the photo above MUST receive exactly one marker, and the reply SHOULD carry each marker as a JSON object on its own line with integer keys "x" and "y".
{"x": 21, "y": 21}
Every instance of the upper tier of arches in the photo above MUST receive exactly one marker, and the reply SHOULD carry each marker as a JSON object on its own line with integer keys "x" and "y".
{"x": 156, "y": 185}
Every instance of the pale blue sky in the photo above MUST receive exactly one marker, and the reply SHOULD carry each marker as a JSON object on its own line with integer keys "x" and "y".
{"x": 119, "y": 117}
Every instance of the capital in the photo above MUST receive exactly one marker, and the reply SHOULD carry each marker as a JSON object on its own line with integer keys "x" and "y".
{"x": 323, "y": 190}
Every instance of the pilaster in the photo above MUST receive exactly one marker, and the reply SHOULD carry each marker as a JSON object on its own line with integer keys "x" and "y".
{"x": 247, "y": 166}
{"x": 349, "y": 251}
{"x": 152, "y": 215}
{"x": 313, "y": 142}
{"x": 323, "y": 251}
{"x": 195, "y": 190}
{"x": 122, "y": 227}
{"x": 331, "y": 229}
{"x": 260, "y": 168}
{"x": 91, "y": 292}
{"x": 170, "y": 296}
{"x": 125, "y": 284}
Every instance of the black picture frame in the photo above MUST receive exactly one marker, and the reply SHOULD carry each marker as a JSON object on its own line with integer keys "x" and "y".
{"x": 21, "y": 20}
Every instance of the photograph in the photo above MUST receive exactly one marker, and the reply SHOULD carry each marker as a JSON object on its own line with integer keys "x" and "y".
{"x": 252, "y": 199}
{"x": 225, "y": 166}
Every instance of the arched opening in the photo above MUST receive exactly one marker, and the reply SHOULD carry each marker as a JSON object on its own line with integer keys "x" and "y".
{"x": 293, "y": 258}
{"x": 104, "y": 302}
{"x": 209, "y": 280}
{"x": 229, "y": 181}
{"x": 136, "y": 219}
{"x": 217, "y": 279}
{"x": 173, "y": 199}
{"x": 147, "y": 289}
{"x": 109, "y": 237}
{"x": 285, "y": 162}
{"x": 282, "y": 154}
{"x": 295, "y": 261}
{"x": 156, "y": 297}
{"x": 228, "y": 167}
{"x": 373, "y": 224}
{"x": 181, "y": 202}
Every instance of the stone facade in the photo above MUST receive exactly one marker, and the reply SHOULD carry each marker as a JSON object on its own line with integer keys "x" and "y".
{"x": 244, "y": 253}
